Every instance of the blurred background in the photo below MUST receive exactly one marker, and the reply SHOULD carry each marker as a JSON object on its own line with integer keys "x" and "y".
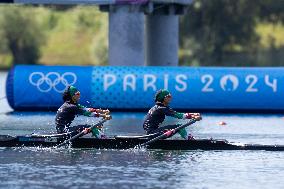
{"x": 212, "y": 33}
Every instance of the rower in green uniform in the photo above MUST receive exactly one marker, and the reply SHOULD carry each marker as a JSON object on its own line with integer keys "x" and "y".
{"x": 70, "y": 108}
{"x": 157, "y": 114}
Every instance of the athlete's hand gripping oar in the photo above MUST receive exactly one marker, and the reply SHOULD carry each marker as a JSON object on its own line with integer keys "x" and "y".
{"x": 82, "y": 133}
{"x": 168, "y": 133}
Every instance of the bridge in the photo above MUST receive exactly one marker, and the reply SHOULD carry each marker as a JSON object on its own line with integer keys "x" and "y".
{"x": 141, "y": 32}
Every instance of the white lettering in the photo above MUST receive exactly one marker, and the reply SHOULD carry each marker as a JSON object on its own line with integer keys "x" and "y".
{"x": 149, "y": 81}
{"x": 109, "y": 79}
{"x": 229, "y": 82}
{"x": 272, "y": 84}
{"x": 180, "y": 80}
{"x": 166, "y": 81}
{"x": 251, "y": 80}
{"x": 129, "y": 81}
{"x": 208, "y": 80}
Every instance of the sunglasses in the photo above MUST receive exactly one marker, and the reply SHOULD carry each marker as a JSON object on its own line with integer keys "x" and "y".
{"x": 168, "y": 96}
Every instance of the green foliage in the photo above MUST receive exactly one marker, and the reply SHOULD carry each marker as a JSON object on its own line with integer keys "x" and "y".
{"x": 218, "y": 25}
{"x": 271, "y": 34}
{"x": 78, "y": 37}
{"x": 22, "y": 34}
{"x": 224, "y": 32}
{"x": 71, "y": 35}
{"x": 271, "y": 10}
{"x": 213, "y": 32}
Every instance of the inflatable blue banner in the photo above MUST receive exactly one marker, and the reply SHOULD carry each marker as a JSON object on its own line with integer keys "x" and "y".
{"x": 41, "y": 87}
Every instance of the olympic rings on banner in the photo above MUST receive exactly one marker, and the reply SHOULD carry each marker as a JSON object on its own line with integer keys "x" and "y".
{"x": 52, "y": 81}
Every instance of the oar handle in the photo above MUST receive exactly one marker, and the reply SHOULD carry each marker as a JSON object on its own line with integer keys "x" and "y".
{"x": 82, "y": 133}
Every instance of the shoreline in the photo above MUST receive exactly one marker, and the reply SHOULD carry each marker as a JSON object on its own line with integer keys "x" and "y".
{"x": 4, "y": 69}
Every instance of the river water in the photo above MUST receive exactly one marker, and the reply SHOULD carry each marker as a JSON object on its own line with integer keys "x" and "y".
{"x": 91, "y": 168}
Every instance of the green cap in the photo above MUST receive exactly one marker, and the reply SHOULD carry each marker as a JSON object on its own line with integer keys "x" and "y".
{"x": 161, "y": 94}
{"x": 72, "y": 90}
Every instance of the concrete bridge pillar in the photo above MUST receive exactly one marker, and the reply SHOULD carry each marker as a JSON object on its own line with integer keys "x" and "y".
{"x": 162, "y": 40}
{"x": 126, "y": 36}
{"x": 144, "y": 34}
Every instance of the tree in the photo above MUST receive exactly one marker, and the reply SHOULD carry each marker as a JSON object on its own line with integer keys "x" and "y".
{"x": 219, "y": 25}
{"x": 271, "y": 10}
{"x": 223, "y": 32}
{"x": 22, "y": 34}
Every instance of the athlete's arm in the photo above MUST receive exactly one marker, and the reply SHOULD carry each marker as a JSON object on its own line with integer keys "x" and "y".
{"x": 178, "y": 115}
{"x": 82, "y": 110}
{"x": 91, "y": 112}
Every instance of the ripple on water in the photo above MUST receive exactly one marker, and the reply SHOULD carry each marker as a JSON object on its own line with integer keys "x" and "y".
{"x": 73, "y": 168}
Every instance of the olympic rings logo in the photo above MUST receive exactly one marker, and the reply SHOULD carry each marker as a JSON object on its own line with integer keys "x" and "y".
{"x": 52, "y": 81}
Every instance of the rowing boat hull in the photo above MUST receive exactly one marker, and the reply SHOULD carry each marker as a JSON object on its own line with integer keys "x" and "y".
{"x": 128, "y": 143}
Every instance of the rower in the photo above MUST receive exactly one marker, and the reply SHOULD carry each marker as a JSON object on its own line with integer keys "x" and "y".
{"x": 70, "y": 108}
{"x": 157, "y": 114}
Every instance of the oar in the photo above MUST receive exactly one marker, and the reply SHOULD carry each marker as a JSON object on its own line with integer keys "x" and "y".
{"x": 168, "y": 134}
{"x": 82, "y": 133}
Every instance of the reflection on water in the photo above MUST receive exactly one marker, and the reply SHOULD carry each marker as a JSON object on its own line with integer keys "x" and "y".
{"x": 76, "y": 168}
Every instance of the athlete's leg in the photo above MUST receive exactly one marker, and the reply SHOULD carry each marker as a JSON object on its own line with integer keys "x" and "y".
{"x": 182, "y": 132}
{"x": 76, "y": 129}
{"x": 162, "y": 129}
{"x": 60, "y": 130}
{"x": 98, "y": 132}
